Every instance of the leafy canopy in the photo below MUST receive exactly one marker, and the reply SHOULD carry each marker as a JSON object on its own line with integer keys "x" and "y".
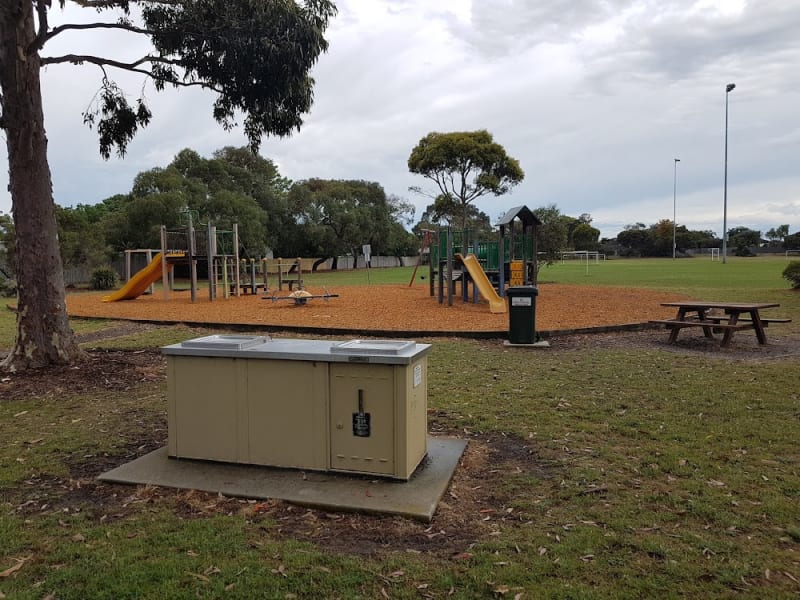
{"x": 224, "y": 190}
{"x": 256, "y": 54}
{"x": 335, "y": 217}
{"x": 464, "y": 165}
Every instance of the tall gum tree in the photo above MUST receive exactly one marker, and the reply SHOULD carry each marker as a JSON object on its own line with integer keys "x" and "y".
{"x": 254, "y": 54}
{"x": 464, "y": 165}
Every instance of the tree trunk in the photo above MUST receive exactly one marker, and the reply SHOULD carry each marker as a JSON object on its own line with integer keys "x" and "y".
{"x": 317, "y": 263}
{"x": 43, "y": 333}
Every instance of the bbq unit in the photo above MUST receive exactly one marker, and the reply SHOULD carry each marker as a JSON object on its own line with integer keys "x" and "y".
{"x": 358, "y": 406}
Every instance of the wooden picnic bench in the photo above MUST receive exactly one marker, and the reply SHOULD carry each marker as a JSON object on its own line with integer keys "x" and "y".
{"x": 693, "y": 313}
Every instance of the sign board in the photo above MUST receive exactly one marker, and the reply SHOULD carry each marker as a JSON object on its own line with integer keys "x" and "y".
{"x": 361, "y": 424}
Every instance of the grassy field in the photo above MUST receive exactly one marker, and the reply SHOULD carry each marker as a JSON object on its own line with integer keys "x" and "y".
{"x": 699, "y": 276}
{"x": 616, "y": 473}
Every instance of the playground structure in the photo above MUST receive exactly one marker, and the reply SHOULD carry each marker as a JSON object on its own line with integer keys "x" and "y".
{"x": 301, "y": 297}
{"x": 144, "y": 279}
{"x": 288, "y": 273}
{"x": 228, "y": 274}
{"x": 249, "y": 278}
{"x": 486, "y": 265}
{"x": 218, "y": 248}
{"x": 291, "y": 273}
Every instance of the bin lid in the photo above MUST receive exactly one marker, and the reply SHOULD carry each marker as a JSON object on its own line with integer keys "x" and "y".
{"x": 226, "y": 342}
{"x": 372, "y": 347}
{"x": 523, "y": 290}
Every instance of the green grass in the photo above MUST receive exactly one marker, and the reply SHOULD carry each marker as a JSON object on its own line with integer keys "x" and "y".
{"x": 698, "y": 276}
{"x": 695, "y": 456}
{"x": 698, "y": 457}
{"x": 648, "y": 474}
{"x": 738, "y": 279}
{"x": 8, "y": 323}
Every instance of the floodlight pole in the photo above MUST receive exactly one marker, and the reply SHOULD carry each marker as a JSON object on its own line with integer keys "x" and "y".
{"x": 728, "y": 89}
{"x": 674, "y": 196}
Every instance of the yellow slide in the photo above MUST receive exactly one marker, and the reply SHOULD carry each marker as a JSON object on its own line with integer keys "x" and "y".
{"x": 137, "y": 284}
{"x": 485, "y": 287}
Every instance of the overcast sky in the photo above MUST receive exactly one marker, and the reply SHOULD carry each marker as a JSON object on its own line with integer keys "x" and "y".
{"x": 595, "y": 98}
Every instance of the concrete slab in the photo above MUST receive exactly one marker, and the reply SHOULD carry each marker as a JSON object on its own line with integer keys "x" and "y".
{"x": 417, "y": 498}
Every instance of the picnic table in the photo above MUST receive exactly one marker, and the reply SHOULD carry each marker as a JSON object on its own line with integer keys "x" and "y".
{"x": 713, "y": 317}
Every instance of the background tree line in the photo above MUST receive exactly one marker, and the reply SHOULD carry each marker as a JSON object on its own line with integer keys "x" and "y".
{"x": 656, "y": 240}
{"x": 315, "y": 217}
{"x": 325, "y": 218}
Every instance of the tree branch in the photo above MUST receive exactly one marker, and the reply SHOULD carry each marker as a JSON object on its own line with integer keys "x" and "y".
{"x": 133, "y": 67}
{"x": 77, "y": 59}
{"x": 78, "y": 26}
{"x": 102, "y": 4}
{"x": 439, "y": 181}
{"x": 41, "y": 35}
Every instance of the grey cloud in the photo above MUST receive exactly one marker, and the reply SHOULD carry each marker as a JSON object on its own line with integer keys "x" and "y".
{"x": 498, "y": 29}
{"x": 675, "y": 47}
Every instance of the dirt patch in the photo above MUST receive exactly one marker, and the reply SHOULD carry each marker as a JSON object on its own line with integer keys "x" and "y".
{"x": 100, "y": 370}
{"x": 473, "y": 508}
{"x": 122, "y": 329}
{"x": 388, "y": 308}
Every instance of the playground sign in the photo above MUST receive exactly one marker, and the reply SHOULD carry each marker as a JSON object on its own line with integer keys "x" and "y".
{"x": 521, "y": 301}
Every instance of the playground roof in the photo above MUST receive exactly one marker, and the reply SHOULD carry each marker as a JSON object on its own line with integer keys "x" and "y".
{"x": 523, "y": 213}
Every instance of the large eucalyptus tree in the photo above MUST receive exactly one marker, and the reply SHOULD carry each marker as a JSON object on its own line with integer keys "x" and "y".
{"x": 254, "y": 54}
{"x": 464, "y": 165}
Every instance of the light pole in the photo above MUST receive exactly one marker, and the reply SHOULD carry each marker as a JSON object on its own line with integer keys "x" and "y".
{"x": 728, "y": 89}
{"x": 674, "y": 196}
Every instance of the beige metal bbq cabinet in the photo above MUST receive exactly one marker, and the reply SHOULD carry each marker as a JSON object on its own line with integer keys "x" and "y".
{"x": 357, "y": 406}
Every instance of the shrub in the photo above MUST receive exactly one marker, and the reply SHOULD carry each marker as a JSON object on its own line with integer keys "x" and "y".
{"x": 104, "y": 278}
{"x": 8, "y": 288}
{"x": 792, "y": 273}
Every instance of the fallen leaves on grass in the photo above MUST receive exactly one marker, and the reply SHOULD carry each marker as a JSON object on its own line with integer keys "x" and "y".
{"x": 14, "y": 568}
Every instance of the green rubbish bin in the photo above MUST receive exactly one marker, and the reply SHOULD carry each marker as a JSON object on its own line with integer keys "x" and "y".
{"x": 522, "y": 314}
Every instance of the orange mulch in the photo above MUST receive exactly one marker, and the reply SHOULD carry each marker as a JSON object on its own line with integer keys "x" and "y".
{"x": 388, "y": 308}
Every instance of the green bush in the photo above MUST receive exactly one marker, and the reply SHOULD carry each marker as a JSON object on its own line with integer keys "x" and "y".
{"x": 8, "y": 288}
{"x": 792, "y": 273}
{"x": 104, "y": 278}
